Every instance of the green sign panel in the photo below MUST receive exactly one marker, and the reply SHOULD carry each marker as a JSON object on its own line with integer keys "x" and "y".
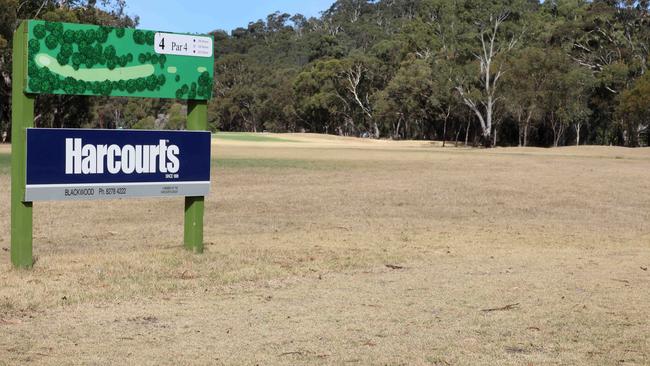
{"x": 78, "y": 59}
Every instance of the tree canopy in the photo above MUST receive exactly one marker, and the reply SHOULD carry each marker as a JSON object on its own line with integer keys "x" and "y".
{"x": 508, "y": 72}
{"x": 505, "y": 72}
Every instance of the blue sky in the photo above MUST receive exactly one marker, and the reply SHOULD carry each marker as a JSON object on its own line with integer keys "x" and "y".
{"x": 202, "y": 16}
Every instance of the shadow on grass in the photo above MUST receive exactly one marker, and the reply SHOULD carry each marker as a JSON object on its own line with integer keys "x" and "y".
{"x": 250, "y": 137}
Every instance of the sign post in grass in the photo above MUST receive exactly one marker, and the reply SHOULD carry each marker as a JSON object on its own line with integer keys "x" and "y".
{"x": 75, "y": 164}
{"x": 22, "y": 117}
{"x": 197, "y": 112}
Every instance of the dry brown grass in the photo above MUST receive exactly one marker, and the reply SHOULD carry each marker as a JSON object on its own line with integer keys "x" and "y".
{"x": 299, "y": 236}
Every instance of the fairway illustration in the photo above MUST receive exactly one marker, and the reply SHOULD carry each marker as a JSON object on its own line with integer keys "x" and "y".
{"x": 67, "y": 58}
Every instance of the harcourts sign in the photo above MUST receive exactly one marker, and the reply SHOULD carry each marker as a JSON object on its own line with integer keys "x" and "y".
{"x": 82, "y": 59}
{"x": 73, "y": 164}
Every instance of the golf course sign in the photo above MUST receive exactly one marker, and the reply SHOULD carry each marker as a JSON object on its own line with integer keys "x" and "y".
{"x": 54, "y": 58}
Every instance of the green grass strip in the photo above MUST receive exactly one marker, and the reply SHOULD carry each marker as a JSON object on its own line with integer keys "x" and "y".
{"x": 282, "y": 164}
{"x": 253, "y": 137}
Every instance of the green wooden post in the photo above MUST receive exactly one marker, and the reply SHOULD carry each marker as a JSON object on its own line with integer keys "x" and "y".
{"x": 22, "y": 117}
{"x": 197, "y": 119}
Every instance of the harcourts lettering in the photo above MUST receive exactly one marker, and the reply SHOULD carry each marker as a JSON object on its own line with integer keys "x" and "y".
{"x": 127, "y": 159}
{"x": 77, "y": 164}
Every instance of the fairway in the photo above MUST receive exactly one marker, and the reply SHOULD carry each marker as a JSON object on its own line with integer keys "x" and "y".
{"x": 252, "y": 137}
{"x": 328, "y": 250}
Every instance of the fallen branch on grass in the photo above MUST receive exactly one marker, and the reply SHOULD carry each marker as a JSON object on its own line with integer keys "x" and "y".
{"x": 291, "y": 354}
{"x": 392, "y": 266}
{"x": 504, "y": 308}
{"x": 621, "y": 281}
{"x": 9, "y": 321}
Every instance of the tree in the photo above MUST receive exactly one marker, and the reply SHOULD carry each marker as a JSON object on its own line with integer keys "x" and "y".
{"x": 634, "y": 111}
{"x": 442, "y": 98}
{"x": 177, "y": 117}
{"x": 356, "y": 77}
{"x": 523, "y": 85}
{"x": 320, "y": 103}
{"x": 565, "y": 95}
{"x": 480, "y": 87}
{"x": 406, "y": 103}
{"x": 360, "y": 69}
{"x": 147, "y": 123}
{"x": 611, "y": 39}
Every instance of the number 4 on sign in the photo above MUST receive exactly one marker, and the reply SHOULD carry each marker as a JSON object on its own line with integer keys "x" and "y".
{"x": 183, "y": 45}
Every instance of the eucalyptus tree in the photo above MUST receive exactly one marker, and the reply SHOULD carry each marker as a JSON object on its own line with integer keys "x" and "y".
{"x": 524, "y": 83}
{"x": 565, "y": 94}
{"x": 321, "y": 104}
{"x": 497, "y": 27}
{"x": 356, "y": 77}
{"x": 634, "y": 112}
{"x": 611, "y": 39}
{"x": 237, "y": 94}
{"x": 405, "y": 105}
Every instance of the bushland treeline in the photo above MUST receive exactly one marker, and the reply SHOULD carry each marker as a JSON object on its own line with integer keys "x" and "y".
{"x": 489, "y": 72}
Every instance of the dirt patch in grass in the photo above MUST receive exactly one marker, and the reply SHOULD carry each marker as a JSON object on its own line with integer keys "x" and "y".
{"x": 345, "y": 251}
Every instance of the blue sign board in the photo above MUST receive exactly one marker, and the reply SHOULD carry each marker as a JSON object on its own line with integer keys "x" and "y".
{"x": 79, "y": 164}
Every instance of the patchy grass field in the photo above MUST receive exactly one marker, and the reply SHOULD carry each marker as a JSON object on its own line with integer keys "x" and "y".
{"x": 344, "y": 251}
